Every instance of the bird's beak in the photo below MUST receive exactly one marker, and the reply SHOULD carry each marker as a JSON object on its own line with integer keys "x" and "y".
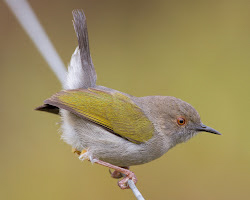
{"x": 205, "y": 128}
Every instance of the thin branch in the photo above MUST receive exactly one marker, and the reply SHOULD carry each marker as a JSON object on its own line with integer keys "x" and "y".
{"x": 132, "y": 186}
{"x": 27, "y": 18}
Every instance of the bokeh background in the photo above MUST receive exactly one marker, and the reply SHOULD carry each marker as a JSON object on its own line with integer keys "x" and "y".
{"x": 198, "y": 51}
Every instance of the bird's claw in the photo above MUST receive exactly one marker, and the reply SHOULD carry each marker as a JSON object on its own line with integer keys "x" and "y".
{"x": 115, "y": 174}
{"x": 123, "y": 184}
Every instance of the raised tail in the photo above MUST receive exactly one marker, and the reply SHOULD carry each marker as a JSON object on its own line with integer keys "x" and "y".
{"x": 81, "y": 71}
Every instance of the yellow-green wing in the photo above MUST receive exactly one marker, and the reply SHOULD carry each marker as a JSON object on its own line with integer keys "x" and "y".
{"x": 114, "y": 111}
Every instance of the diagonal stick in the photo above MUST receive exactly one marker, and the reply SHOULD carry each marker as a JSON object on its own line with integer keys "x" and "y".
{"x": 136, "y": 192}
{"x": 27, "y": 18}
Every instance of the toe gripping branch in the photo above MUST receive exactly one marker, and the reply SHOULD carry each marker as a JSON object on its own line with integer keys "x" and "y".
{"x": 118, "y": 173}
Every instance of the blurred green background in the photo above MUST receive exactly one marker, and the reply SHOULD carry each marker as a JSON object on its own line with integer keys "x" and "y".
{"x": 198, "y": 51}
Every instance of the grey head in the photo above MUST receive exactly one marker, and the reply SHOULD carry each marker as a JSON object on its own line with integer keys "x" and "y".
{"x": 174, "y": 118}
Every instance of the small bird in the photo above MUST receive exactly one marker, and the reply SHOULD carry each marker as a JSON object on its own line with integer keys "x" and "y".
{"x": 112, "y": 128}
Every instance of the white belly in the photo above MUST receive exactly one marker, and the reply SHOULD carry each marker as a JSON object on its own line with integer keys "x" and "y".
{"x": 101, "y": 144}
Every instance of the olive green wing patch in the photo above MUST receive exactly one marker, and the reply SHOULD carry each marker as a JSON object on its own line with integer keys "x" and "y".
{"x": 113, "y": 111}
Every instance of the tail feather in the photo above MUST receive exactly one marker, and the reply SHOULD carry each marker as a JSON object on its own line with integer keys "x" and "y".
{"x": 81, "y": 71}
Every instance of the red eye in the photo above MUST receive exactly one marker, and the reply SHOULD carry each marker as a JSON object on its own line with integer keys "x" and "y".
{"x": 181, "y": 121}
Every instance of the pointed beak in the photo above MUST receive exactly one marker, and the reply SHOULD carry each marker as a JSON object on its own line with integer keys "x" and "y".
{"x": 205, "y": 128}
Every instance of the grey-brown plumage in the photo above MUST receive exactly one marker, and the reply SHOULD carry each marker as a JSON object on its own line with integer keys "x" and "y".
{"x": 80, "y": 25}
{"x": 113, "y": 126}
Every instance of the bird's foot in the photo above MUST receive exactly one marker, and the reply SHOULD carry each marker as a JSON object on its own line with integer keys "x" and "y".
{"x": 116, "y": 174}
{"x": 123, "y": 184}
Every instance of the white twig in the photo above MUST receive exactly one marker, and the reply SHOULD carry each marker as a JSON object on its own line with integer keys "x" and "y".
{"x": 136, "y": 192}
{"x": 132, "y": 186}
{"x": 27, "y": 18}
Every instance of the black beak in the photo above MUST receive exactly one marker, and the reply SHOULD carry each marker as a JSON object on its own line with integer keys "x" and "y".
{"x": 205, "y": 128}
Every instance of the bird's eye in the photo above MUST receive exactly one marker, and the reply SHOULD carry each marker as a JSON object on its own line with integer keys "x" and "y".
{"x": 181, "y": 121}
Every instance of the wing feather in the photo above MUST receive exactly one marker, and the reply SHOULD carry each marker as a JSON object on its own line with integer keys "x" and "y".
{"x": 113, "y": 111}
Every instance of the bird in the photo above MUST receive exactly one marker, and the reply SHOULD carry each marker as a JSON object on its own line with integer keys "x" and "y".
{"x": 112, "y": 128}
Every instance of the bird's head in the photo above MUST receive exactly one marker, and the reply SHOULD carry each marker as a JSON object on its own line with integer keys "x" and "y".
{"x": 177, "y": 119}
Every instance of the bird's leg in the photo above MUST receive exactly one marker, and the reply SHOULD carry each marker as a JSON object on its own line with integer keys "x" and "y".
{"x": 123, "y": 184}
